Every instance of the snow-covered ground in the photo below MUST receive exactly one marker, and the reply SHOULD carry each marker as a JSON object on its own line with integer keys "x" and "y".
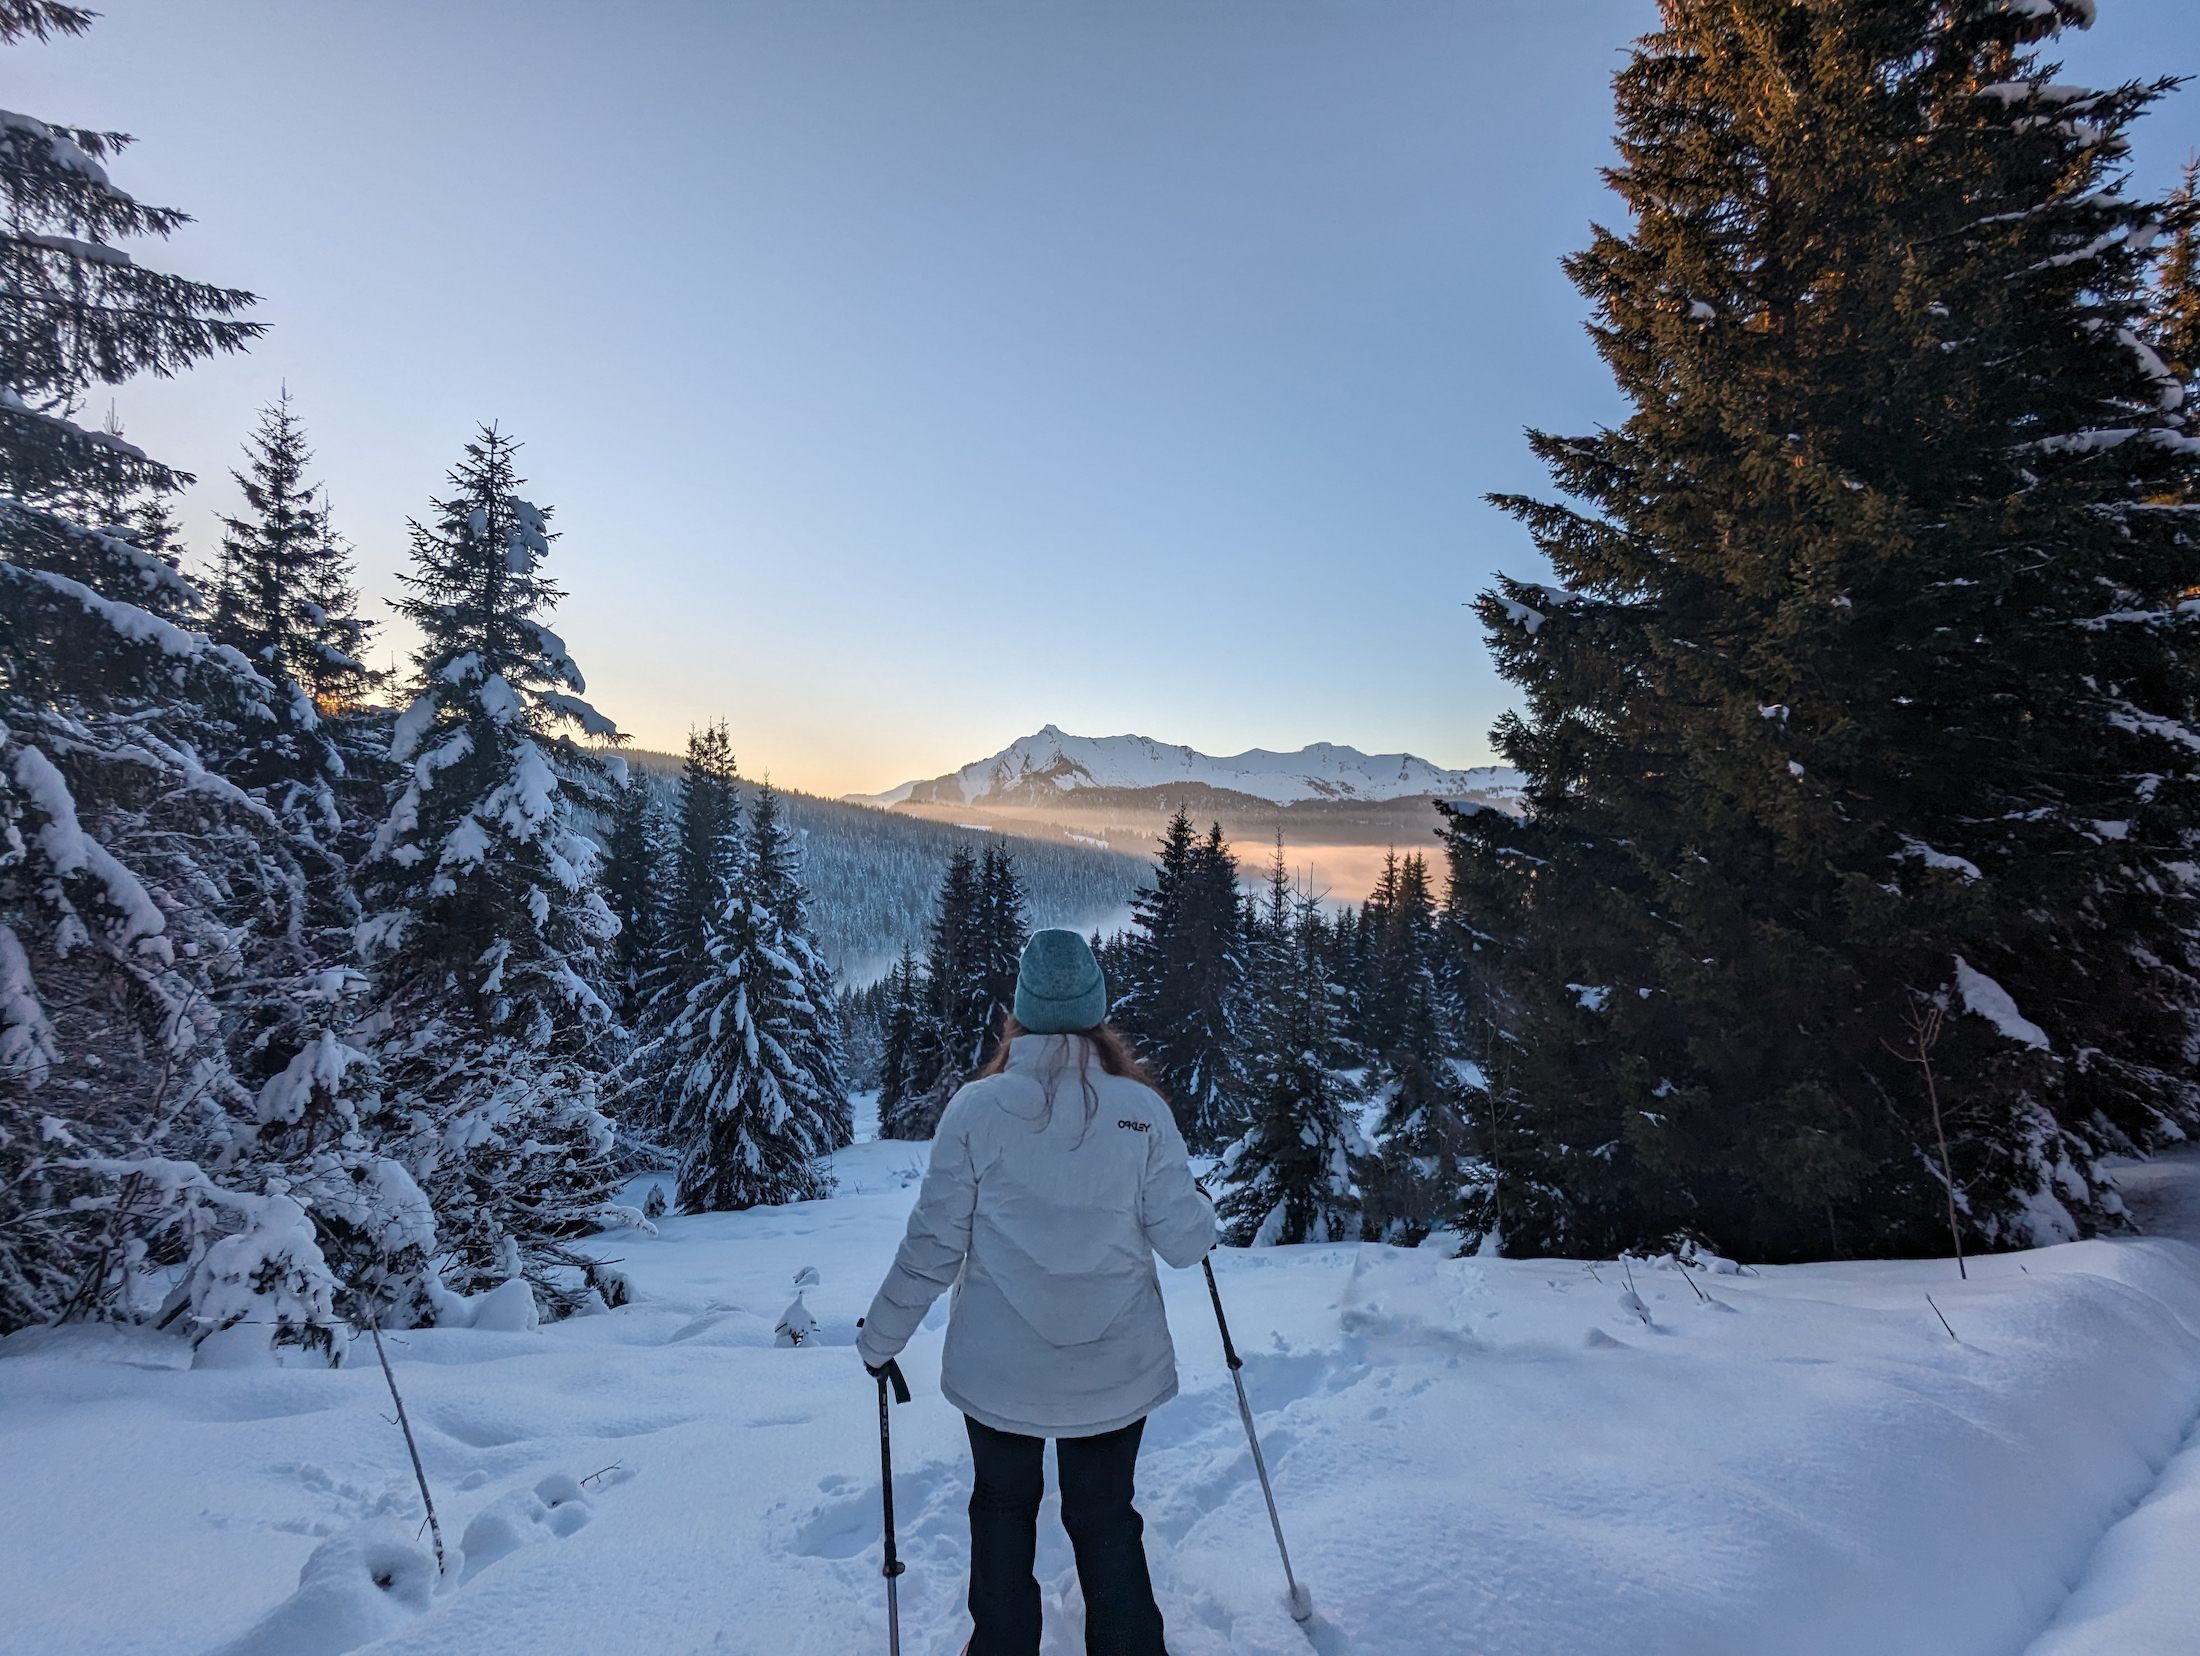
{"x": 1473, "y": 1456}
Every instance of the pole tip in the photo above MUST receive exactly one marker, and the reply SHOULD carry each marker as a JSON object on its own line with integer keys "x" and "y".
{"x": 1301, "y": 1603}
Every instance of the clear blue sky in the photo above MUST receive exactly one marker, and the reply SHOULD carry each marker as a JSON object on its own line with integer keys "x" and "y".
{"x": 906, "y": 376}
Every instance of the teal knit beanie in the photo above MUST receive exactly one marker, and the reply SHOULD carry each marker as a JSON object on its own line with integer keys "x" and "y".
{"x": 1059, "y": 987}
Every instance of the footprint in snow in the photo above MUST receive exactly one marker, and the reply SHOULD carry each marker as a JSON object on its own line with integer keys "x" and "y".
{"x": 369, "y": 1581}
{"x": 848, "y": 1521}
{"x": 554, "y": 1509}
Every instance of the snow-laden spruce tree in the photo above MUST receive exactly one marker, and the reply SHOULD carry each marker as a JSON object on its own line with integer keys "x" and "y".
{"x": 1294, "y": 1176}
{"x": 1185, "y": 990}
{"x": 692, "y": 872}
{"x": 486, "y": 924}
{"x": 285, "y": 601}
{"x": 1868, "y": 690}
{"x": 775, "y": 878}
{"x": 132, "y": 869}
{"x": 753, "y": 1057}
{"x": 705, "y": 849}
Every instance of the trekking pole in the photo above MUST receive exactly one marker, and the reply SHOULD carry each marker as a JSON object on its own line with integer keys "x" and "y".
{"x": 894, "y": 1566}
{"x": 1301, "y": 1602}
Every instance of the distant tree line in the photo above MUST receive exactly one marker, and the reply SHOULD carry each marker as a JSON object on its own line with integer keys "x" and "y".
{"x": 1274, "y": 1028}
{"x": 874, "y": 875}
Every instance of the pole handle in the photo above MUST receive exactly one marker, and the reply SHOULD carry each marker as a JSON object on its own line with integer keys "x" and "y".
{"x": 889, "y": 1370}
{"x": 890, "y": 1374}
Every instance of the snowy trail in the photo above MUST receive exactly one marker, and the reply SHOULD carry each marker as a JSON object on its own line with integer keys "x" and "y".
{"x": 2141, "y": 1588}
{"x": 1476, "y": 1456}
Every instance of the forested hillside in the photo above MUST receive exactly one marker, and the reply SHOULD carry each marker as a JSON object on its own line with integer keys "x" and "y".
{"x": 873, "y": 874}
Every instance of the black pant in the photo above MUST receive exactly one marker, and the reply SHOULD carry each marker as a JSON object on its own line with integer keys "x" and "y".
{"x": 1121, "y": 1618}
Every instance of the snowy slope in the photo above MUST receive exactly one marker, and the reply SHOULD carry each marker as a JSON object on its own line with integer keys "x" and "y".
{"x": 1052, "y": 762}
{"x": 1489, "y": 1456}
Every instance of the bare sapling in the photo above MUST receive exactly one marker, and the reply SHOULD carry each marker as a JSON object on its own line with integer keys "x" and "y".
{"x": 1924, "y": 1022}
{"x": 404, "y": 1424}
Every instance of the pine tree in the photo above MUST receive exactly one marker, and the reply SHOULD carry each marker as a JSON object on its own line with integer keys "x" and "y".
{"x": 704, "y": 851}
{"x": 759, "y": 1097}
{"x": 286, "y": 598}
{"x": 897, "y": 1080}
{"x": 2177, "y": 287}
{"x": 634, "y": 861}
{"x": 1342, "y": 942}
{"x": 485, "y": 908}
{"x": 955, "y": 970}
{"x": 1186, "y": 982}
{"x": 1427, "y": 1178}
{"x": 1483, "y": 923}
{"x": 285, "y": 603}
{"x": 948, "y": 1028}
{"x": 200, "y": 918}
{"x": 130, "y": 865}
{"x": 696, "y": 876}
{"x": 1294, "y": 1175}
{"x": 816, "y": 1047}
{"x": 1867, "y": 691}
{"x": 155, "y": 532}
{"x": 1002, "y": 931}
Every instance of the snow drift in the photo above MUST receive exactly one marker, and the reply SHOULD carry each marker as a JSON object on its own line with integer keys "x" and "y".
{"x": 1508, "y": 1457}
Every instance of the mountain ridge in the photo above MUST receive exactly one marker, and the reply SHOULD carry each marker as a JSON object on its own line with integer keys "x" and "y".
{"x": 1051, "y": 763}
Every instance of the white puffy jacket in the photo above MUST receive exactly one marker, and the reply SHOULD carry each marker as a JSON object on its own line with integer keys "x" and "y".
{"x": 1043, "y": 1208}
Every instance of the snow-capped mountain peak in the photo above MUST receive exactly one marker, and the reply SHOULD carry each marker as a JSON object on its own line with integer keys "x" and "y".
{"x": 1052, "y": 762}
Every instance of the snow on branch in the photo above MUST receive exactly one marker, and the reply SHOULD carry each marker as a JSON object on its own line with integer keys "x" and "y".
{"x": 2169, "y": 390}
{"x": 62, "y": 839}
{"x": 1989, "y": 1000}
{"x": 404, "y": 816}
{"x": 1521, "y": 616}
{"x": 28, "y": 1050}
{"x": 92, "y": 252}
{"x": 321, "y": 1063}
{"x": 2184, "y": 611}
{"x": 496, "y": 698}
{"x": 553, "y": 650}
{"x": 136, "y": 625}
{"x": 524, "y": 803}
{"x": 412, "y": 724}
{"x": 1921, "y": 852}
{"x": 14, "y": 404}
{"x": 591, "y": 722}
{"x": 116, "y": 543}
{"x": 2142, "y": 723}
{"x": 2017, "y": 91}
{"x": 65, "y": 152}
{"x": 198, "y": 779}
{"x": 2081, "y": 12}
